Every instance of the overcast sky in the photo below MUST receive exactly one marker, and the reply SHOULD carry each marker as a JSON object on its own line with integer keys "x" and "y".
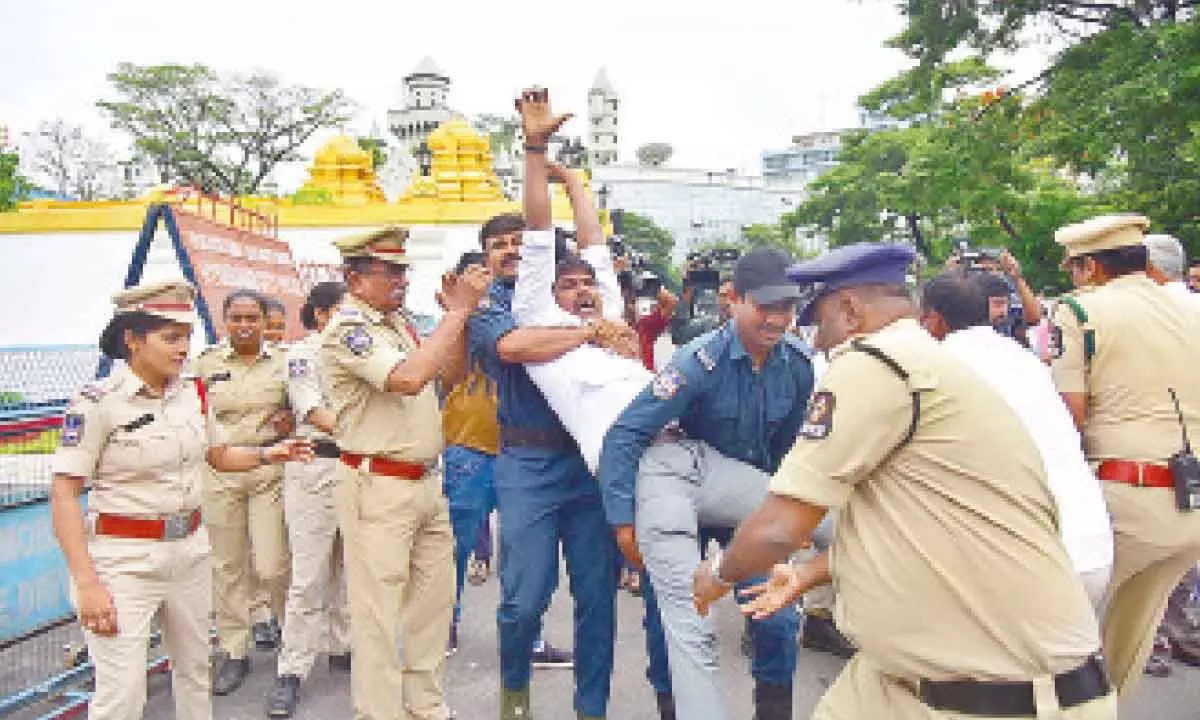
{"x": 719, "y": 80}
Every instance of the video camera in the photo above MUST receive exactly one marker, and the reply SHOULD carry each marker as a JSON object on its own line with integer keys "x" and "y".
{"x": 982, "y": 258}
{"x": 642, "y": 282}
{"x": 705, "y": 269}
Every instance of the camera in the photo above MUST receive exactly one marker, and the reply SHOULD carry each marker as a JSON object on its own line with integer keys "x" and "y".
{"x": 982, "y": 258}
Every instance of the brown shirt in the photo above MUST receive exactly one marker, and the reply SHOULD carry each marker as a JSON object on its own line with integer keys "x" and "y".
{"x": 1146, "y": 343}
{"x": 243, "y": 395}
{"x": 947, "y": 560}
{"x": 143, "y": 452}
{"x": 359, "y": 349}
{"x": 469, "y": 414}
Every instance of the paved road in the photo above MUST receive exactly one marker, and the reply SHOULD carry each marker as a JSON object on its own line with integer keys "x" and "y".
{"x": 472, "y": 676}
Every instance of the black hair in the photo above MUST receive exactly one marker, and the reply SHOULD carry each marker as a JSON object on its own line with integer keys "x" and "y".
{"x": 274, "y": 305}
{"x": 244, "y": 294}
{"x": 501, "y": 224}
{"x": 991, "y": 285}
{"x": 572, "y": 263}
{"x": 960, "y": 298}
{"x": 467, "y": 259}
{"x": 141, "y": 324}
{"x": 1118, "y": 261}
{"x": 323, "y": 296}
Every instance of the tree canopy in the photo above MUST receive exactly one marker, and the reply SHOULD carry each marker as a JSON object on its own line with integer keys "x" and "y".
{"x": 224, "y": 134}
{"x": 12, "y": 185}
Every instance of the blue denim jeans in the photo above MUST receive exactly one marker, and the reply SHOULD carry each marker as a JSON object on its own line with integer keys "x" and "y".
{"x": 470, "y": 487}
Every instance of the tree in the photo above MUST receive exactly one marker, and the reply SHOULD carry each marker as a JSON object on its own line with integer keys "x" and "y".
{"x": 74, "y": 164}
{"x": 652, "y": 240}
{"x": 654, "y": 154}
{"x": 223, "y": 134}
{"x": 378, "y": 149}
{"x": 12, "y": 185}
{"x": 500, "y": 130}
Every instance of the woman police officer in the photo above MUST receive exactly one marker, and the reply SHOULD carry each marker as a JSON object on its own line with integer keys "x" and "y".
{"x": 142, "y": 437}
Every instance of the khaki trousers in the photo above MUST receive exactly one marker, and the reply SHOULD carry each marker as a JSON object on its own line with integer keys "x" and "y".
{"x": 400, "y": 578}
{"x": 1155, "y": 545}
{"x": 146, "y": 577}
{"x": 863, "y": 692}
{"x": 317, "y": 619}
{"x": 244, "y": 515}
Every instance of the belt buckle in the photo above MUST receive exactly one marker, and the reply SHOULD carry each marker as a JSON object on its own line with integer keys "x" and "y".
{"x": 177, "y": 526}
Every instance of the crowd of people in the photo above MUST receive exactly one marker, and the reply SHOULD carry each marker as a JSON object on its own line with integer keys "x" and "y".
{"x": 996, "y": 496}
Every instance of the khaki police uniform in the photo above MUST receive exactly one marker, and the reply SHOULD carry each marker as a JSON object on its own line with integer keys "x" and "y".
{"x": 1145, "y": 343}
{"x": 244, "y": 511}
{"x": 946, "y": 560}
{"x": 317, "y": 616}
{"x": 393, "y": 516}
{"x": 144, "y": 455}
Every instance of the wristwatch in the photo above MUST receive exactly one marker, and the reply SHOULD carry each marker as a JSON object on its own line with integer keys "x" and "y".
{"x": 715, "y": 568}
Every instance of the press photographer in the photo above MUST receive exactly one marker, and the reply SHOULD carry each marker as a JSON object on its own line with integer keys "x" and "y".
{"x": 1013, "y": 307}
{"x": 706, "y": 294}
{"x": 649, "y": 305}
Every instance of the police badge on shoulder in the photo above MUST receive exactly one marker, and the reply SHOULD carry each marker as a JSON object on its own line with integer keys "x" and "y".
{"x": 818, "y": 420}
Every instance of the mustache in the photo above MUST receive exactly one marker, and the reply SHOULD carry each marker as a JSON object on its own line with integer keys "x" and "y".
{"x": 510, "y": 257}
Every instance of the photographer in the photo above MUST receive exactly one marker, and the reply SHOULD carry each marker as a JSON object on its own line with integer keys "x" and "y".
{"x": 1008, "y": 315}
{"x": 707, "y": 295}
{"x": 649, "y": 305}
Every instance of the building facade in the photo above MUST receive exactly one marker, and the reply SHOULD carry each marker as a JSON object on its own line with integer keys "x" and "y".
{"x": 603, "y": 110}
{"x": 700, "y": 208}
{"x": 809, "y": 156}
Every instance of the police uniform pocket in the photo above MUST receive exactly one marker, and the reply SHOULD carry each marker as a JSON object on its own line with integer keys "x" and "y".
{"x": 120, "y": 557}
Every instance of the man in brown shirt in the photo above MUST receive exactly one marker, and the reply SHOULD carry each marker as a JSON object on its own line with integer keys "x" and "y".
{"x": 950, "y": 574}
{"x": 394, "y": 519}
{"x": 1124, "y": 350}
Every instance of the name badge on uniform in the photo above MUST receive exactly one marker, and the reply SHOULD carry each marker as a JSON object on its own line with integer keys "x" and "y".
{"x": 358, "y": 341}
{"x": 218, "y": 377}
{"x": 667, "y": 383}
{"x": 298, "y": 368}
{"x": 72, "y": 430}
{"x": 818, "y": 420}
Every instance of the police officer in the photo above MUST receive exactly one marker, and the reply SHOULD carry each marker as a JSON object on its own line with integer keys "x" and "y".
{"x": 141, "y": 438}
{"x": 317, "y": 618}
{"x": 1126, "y": 349}
{"x": 739, "y": 394}
{"x": 951, "y": 577}
{"x": 395, "y": 524}
{"x": 247, "y": 386}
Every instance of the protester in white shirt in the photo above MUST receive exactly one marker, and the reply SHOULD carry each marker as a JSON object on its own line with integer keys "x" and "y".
{"x": 954, "y": 310}
{"x": 1166, "y": 264}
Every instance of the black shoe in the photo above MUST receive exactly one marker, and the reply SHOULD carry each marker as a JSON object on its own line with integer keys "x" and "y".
{"x": 548, "y": 656}
{"x": 772, "y": 702}
{"x": 821, "y": 634}
{"x": 281, "y": 703}
{"x": 339, "y": 662}
{"x": 666, "y": 706}
{"x": 452, "y": 643}
{"x": 266, "y": 635}
{"x": 231, "y": 674}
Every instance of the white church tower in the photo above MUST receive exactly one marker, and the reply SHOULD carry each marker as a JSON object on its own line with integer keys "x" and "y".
{"x": 602, "y": 121}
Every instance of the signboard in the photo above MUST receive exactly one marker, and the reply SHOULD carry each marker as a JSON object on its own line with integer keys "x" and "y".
{"x": 36, "y": 585}
{"x": 226, "y": 258}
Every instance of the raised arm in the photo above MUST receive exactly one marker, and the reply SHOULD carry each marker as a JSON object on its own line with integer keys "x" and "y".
{"x": 592, "y": 247}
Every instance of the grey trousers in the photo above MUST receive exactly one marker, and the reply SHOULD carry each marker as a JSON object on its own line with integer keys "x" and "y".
{"x": 681, "y": 487}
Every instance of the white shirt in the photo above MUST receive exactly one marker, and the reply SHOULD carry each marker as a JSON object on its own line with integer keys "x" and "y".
{"x": 1017, "y": 376}
{"x": 587, "y": 387}
{"x": 1183, "y": 293}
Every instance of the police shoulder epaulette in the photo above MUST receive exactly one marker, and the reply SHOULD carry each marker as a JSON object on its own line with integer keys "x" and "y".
{"x": 708, "y": 348}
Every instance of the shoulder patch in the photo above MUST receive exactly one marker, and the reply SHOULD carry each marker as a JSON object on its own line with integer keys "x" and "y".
{"x": 818, "y": 419}
{"x": 358, "y": 340}
{"x": 667, "y": 383}
{"x": 1054, "y": 342}
{"x": 705, "y": 359}
{"x": 72, "y": 430}
{"x": 298, "y": 367}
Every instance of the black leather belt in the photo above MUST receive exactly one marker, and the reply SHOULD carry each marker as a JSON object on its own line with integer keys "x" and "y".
{"x": 1015, "y": 698}
{"x": 552, "y": 439}
{"x": 326, "y": 449}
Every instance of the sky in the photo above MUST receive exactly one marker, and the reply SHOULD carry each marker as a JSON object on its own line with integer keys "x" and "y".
{"x": 720, "y": 81}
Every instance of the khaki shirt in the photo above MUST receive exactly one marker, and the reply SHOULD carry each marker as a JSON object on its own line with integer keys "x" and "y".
{"x": 1146, "y": 343}
{"x": 469, "y": 414}
{"x": 947, "y": 559}
{"x": 243, "y": 396}
{"x": 304, "y": 384}
{"x": 359, "y": 349}
{"x": 143, "y": 452}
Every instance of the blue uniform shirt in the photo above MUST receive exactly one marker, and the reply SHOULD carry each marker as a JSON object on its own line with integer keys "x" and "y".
{"x": 712, "y": 388}
{"x": 520, "y": 402}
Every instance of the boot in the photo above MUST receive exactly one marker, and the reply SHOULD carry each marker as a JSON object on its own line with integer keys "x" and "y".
{"x": 514, "y": 704}
{"x": 666, "y": 706}
{"x": 772, "y": 702}
{"x": 821, "y": 634}
{"x": 231, "y": 673}
{"x": 281, "y": 703}
{"x": 266, "y": 635}
{"x": 339, "y": 662}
